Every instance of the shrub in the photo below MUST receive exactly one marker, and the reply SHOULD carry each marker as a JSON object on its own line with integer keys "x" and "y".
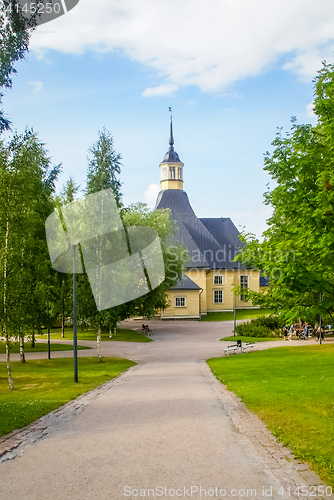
{"x": 266, "y": 326}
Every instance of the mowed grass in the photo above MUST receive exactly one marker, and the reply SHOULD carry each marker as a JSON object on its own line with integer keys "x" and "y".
{"x": 41, "y": 386}
{"x": 292, "y": 391}
{"x": 123, "y": 335}
{"x": 241, "y": 314}
{"x": 39, "y": 347}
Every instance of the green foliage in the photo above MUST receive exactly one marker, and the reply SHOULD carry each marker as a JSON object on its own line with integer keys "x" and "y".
{"x": 26, "y": 187}
{"x": 265, "y": 326}
{"x": 14, "y": 41}
{"x": 26, "y": 184}
{"x": 44, "y": 385}
{"x": 234, "y": 338}
{"x": 297, "y": 251}
{"x": 69, "y": 191}
{"x": 241, "y": 314}
{"x": 104, "y": 166}
{"x": 292, "y": 390}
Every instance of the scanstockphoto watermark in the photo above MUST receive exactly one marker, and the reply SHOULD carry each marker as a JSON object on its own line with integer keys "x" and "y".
{"x": 34, "y": 13}
{"x": 263, "y": 492}
{"x": 189, "y": 491}
{"x": 224, "y": 261}
{"x": 122, "y": 263}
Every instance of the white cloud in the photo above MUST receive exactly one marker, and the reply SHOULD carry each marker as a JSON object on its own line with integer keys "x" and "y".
{"x": 210, "y": 44}
{"x": 309, "y": 110}
{"x": 164, "y": 89}
{"x": 37, "y": 86}
{"x": 151, "y": 193}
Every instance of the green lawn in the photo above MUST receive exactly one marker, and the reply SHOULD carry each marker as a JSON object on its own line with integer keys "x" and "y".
{"x": 43, "y": 385}
{"x": 123, "y": 335}
{"x": 39, "y": 347}
{"x": 241, "y": 314}
{"x": 249, "y": 339}
{"x": 292, "y": 391}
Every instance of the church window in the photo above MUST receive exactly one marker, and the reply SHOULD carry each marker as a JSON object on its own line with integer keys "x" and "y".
{"x": 179, "y": 173}
{"x": 172, "y": 172}
{"x": 218, "y": 279}
{"x": 180, "y": 302}
{"x": 164, "y": 172}
{"x": 218, "y": 296}
{"x": 243, "y": 285}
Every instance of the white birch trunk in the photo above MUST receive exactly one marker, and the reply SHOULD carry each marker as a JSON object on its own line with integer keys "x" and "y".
{"x": 112, "y": 331}
{"x": 22, "y": 355}
{"x": 98, "y": 342}
{"x": 9, "y": 371}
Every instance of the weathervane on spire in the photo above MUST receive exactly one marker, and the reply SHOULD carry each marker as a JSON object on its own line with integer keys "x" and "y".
{"x": 171, "y": 138}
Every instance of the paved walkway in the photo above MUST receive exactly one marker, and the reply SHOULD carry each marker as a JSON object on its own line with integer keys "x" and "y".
{"x": 166, "y": 428}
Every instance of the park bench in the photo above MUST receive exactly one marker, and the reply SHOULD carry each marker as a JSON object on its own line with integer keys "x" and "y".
{"x": 231, "y": 348}
{"x": 248, "y": 346}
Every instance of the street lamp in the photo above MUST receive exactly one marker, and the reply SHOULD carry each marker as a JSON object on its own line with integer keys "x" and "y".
{"x": 234, "y": 305}
{"x": 320, "y": 334}
{"x": 75, "y": 243}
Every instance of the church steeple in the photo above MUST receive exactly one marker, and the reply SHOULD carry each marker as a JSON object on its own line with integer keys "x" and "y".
{"x": 171, "y": 138}
{"x": 171, "y": 167}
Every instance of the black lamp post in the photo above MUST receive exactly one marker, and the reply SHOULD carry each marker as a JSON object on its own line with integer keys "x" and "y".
{"x": 320, "y": 334}
{"x": 49, "y": 346}
{"x": 75, "y": 340}
{"x": 234, "y": 307}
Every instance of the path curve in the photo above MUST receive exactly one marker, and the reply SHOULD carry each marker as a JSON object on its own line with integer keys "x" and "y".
{"x": 167, "y": 425}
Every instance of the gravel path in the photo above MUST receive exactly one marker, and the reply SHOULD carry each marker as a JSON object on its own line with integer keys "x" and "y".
{"x": 166, "y": 428}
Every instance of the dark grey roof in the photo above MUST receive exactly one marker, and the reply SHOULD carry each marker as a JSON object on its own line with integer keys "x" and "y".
{"x": 264, "y": 281}
{"x": 171, "y": 156}
{"x": 185, "y": 283}
{"x": 207, "y": 243}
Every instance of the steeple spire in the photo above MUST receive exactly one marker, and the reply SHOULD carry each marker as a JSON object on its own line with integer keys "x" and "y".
{"x": 171, "y": 138}
{"x": 171, "y": 166}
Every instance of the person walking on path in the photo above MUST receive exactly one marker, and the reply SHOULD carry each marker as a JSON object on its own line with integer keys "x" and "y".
{"x": 306, "y": 331}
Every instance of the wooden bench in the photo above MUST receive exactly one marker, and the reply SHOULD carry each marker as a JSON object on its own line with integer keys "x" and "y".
{"x": 231, "y": 348}
{"x": 248, "y": 345}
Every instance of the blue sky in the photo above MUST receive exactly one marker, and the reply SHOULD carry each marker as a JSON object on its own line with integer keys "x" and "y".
{"x": 232, "y": 71}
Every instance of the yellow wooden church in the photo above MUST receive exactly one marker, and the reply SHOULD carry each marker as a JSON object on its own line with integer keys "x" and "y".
{"x": 212, "y": 244}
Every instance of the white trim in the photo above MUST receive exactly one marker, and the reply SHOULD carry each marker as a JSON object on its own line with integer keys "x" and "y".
{"x": 180, "y": 298}
{"x": 219, "y": 276}
{"x": 222, "y": 294}
{"x": 242, "y": 295}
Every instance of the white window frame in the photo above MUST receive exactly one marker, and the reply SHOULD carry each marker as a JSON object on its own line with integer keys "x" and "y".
{"x": 180, "y": 299}
{"x": 243, "y": 296}
{"x": 172, "y": 172}
{"x": 220, "y": 293}
{"x": 221, "y": 279}
{"x": 179, "y": 173}
{"x": 164, "y": 172}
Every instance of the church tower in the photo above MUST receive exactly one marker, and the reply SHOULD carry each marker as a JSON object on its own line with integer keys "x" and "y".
{"x": 171, "y": 168}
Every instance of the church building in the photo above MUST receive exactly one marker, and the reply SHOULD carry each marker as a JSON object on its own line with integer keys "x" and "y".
{"x": 212, "y": 244}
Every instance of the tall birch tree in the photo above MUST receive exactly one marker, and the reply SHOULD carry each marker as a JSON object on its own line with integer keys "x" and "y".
{"x": 27, "y": 182}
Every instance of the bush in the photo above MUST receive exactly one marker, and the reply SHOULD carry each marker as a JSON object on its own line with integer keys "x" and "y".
{"x": 265, "y": 326}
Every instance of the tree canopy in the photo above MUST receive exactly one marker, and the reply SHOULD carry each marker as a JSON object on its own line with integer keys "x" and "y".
{"x": 297, "y": 250}
{"x": 104, "y": 166}
{"x": 27, "y": 182}
{"x": 15, "y": 33}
